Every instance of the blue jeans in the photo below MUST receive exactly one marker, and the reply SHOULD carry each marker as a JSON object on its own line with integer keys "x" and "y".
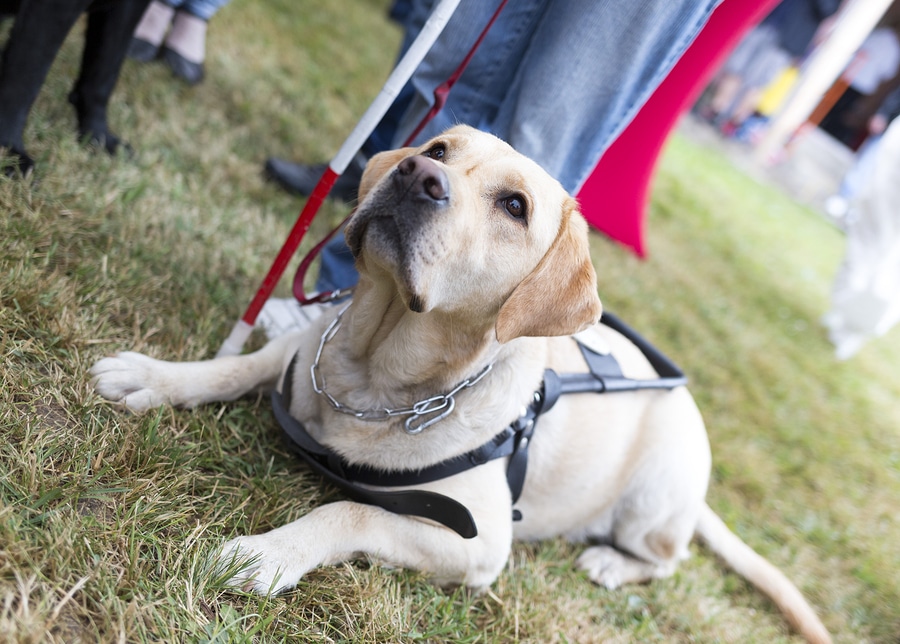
{"x": 558, "y": 80}
{"x": 203, "y": 9}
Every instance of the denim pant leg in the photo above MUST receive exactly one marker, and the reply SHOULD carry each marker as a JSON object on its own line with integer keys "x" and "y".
{"x": 203, "y": 9}
{"x": 591, "y": 66}
{"x": 337, "y": 269}
{"x": 557, "y": 79}
{"x": 478, "y": 94}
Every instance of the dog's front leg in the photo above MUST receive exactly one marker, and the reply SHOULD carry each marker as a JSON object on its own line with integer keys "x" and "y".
{"x": 140, "y": 382}
{"x": 275, "y": 561}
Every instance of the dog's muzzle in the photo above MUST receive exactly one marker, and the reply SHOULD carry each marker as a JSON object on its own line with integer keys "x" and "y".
{"x": 401, "y": 205}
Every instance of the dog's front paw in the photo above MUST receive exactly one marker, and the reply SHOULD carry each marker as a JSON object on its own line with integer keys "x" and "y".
{"x": 132, "y": 379}
{"x": 254, "y": 564}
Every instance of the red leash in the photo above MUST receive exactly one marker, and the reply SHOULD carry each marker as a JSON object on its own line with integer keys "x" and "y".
{"x": 443, "y": 90}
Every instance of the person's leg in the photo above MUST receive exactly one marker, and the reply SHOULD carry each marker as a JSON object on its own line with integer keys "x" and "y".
{"x": 479, "y": 93}
{"x": 184, "y": 49}
{"x": 37, "y": 33}
{"x": 590, "y": 67}
{"x": 490, "y": 66}
{"x": 400, "y": 10}
{"x": 336, "y": 270}
{"x": 768, "y": 64}
{"x": 841, "y": 205}
{"x": 109, "y": 30}
{"x": 565, "y": 97}
{"x": 728, "y": 86}
{"x": 862, "y": 169}
{"x": 834, "y": 122}
{"x": 736, "y": 67}
{"x": 150, "y": 31}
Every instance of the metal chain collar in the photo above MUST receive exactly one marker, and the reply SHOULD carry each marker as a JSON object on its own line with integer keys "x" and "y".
{"x": 438, "y": 407}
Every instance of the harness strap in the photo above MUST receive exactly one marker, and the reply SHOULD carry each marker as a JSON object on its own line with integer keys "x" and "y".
{"x": 429, "y": 505}
{"x": 605, "y": 376}
{"x": 513, "y": 441}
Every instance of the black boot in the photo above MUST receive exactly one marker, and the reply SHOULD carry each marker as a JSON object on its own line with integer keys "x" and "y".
{"x": 38, "y": 32}
{"x": 106, "y": 43}
{"x": 16, "y": 164}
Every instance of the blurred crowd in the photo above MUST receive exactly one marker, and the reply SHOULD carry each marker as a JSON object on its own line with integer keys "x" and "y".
{"x": 860, "y": 112}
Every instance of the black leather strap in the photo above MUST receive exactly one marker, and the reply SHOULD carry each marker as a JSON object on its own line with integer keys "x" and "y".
{"x": 429, "y": 505}
{"x": 605, "y": 375}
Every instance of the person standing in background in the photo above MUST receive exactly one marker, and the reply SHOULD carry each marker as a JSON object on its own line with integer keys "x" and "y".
{"x": 175, "y": 31}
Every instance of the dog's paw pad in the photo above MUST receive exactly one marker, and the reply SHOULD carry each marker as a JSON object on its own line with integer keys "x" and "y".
{"x": 127, "y": 378}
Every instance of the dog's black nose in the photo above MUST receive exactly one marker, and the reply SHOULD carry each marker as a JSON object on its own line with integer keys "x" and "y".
{"x": 422, "y": 178}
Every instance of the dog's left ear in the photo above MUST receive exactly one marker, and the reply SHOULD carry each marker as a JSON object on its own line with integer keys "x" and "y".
{"x": 378, "y": 166}
{"x": 559, "y": 297}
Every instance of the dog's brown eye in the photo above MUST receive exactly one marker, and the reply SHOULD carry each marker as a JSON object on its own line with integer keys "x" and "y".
{"x": 436, "y": 152}
{"x": 515, "y": 206}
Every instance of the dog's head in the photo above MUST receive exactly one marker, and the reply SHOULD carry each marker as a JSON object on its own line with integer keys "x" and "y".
{"x": 466, "y": 224}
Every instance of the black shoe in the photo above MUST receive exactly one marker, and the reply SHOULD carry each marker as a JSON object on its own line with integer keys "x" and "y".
{"x": 301, "y": 179}
{"x": 191, "y": 73}
{"x": 142, "y": 51}
{"x": 17, "y": 163}
{"x": 93, "y": 130}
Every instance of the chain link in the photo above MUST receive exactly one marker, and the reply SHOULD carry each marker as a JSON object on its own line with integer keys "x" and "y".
{"x": 437, "y": 407}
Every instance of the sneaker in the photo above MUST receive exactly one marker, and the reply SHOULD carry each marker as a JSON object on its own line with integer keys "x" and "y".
{"x": 279, "y": 316}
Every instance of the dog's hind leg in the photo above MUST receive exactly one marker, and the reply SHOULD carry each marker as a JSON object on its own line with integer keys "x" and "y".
{"x": 642, "y": 551}
{"x": 653, "y": 521}
{"x": 140, "y": 382}
{"x": 38, "y": 32}
{"x": 109, "y": 30}
{"x": 647, "y": 540}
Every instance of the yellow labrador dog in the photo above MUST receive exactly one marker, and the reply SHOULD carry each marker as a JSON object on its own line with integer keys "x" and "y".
{"x": 474, "y": 273}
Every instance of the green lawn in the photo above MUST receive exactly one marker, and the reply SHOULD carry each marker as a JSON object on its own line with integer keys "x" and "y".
{"x": 107, "y": 519}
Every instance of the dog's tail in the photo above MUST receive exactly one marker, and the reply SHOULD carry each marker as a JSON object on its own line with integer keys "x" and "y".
{"x": 759, "y": 572}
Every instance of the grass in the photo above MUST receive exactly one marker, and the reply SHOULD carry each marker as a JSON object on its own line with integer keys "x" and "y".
{"x": 107, "y": 520}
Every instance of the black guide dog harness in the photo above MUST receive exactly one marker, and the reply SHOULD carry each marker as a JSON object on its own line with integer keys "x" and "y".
{"x": 605, "y": 375}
